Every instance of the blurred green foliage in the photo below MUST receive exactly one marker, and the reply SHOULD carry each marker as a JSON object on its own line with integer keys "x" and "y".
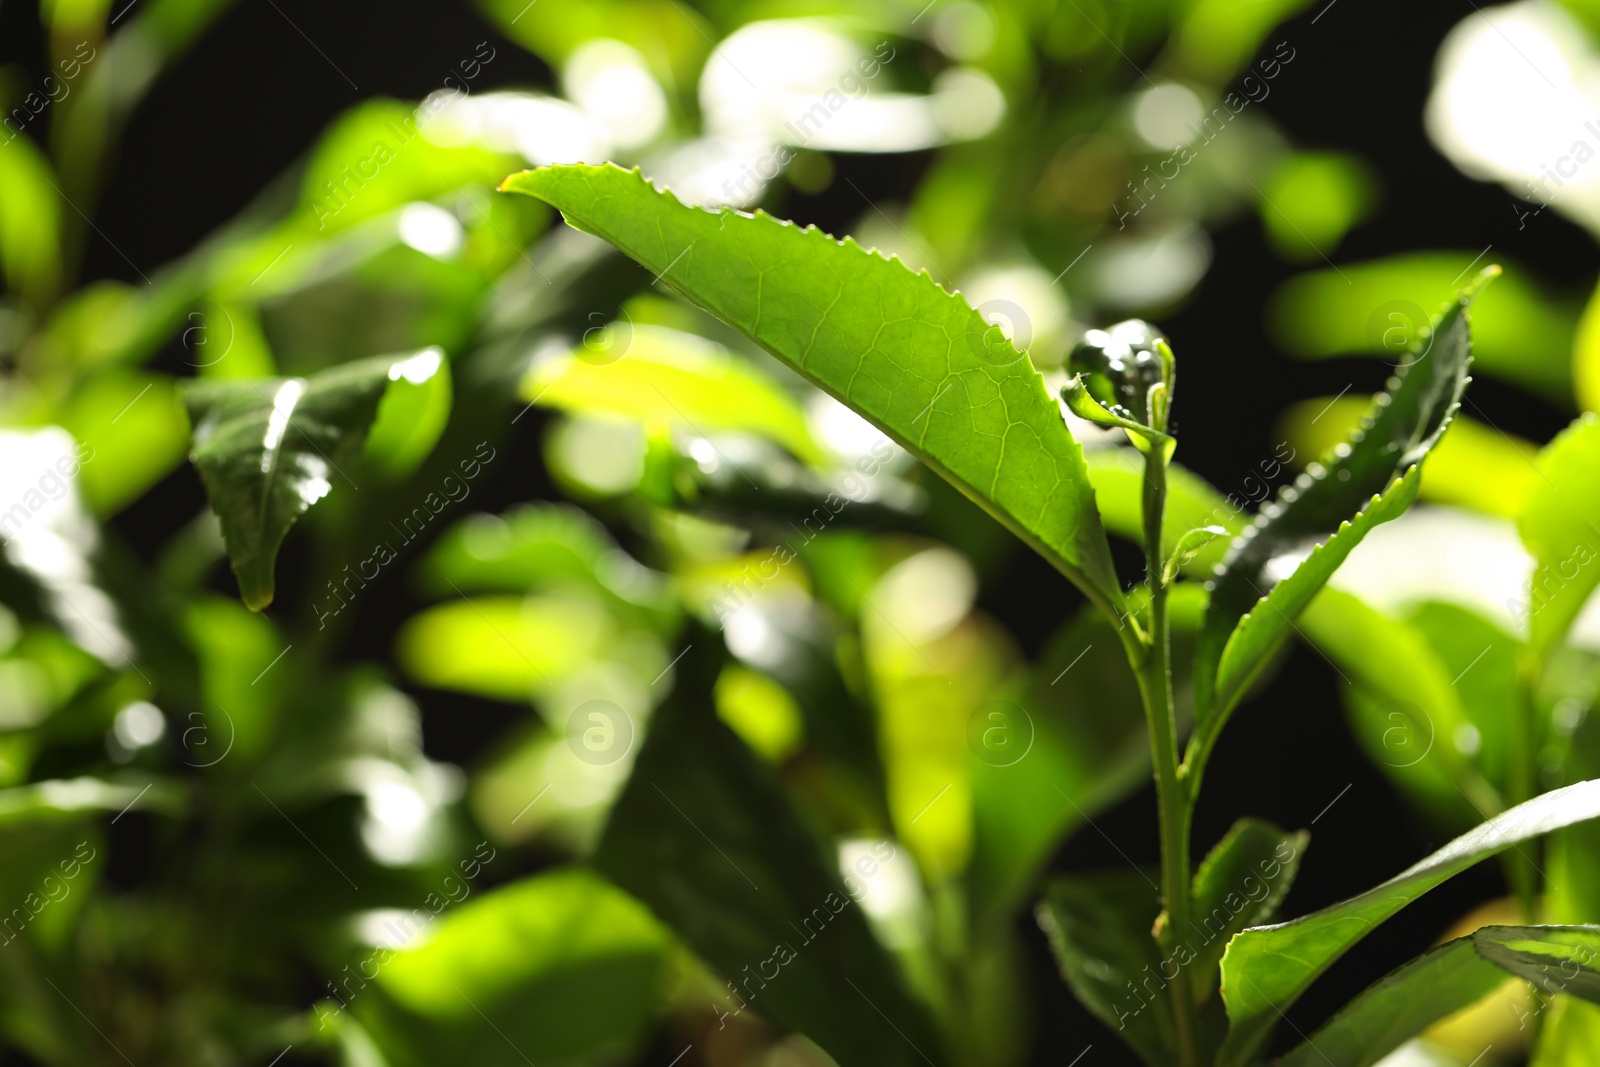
{"x": 745, "y": 710}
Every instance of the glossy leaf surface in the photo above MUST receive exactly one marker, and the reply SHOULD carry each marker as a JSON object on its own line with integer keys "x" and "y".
{"x": 268, "y": 449}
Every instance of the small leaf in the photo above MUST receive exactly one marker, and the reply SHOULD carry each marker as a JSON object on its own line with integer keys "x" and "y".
{"x": 1117, "y": 475}
{"x": 1265, "y": 969}
{"x": 1295, "y": 544}
{"x": 1561, "y": 527}
{"x": 706, "y": 835}
{"x": 1188, "y": 547}
{"x": 269, "y": 448}
{"x": 914, "y": 359}
{"x": 1242, "y": 881}
{"x": 1099, "y": 927}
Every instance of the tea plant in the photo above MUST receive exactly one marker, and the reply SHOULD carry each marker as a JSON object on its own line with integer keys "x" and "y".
{"x": 1182, "y": 985}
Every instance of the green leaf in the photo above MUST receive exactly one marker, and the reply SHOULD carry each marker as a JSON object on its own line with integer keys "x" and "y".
{"x": 706, "y": 835}
{"x": 1438, "y": 983}
{"x": 513, "y": 648}
{"x": 1265, "y": 969}
{"x": 1117, "y": 475}
{"x": 30, "y": 221}
{"x": 1099, "y": 928}
{"x": 1241, "y": 882}
{"x": 1188, "y": 547}
{"x": 1476, "y": 466}
{"x": 1296, "y": 543}
{"x": 563, "y": 966}
{"x": 269, "y": 448}
{"x": 1561, "y": 527}
{"x": 675, "y": 378}
{"x": 914, "y": 359}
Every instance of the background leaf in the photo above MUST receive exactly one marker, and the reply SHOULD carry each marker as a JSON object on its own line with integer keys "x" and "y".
{"x": 1561, "y": 527}
{"x": 706, "y": 837}
{"x": 268, "y": 449}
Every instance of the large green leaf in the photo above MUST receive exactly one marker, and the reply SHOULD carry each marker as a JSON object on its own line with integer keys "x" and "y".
{"x": 1561, "y": 527}
{"x": 269, "y": 448}
{"x": 706, "y": 835}
{"x": 1296, "y": 543}
{"x": 1265, "y": 969}
{"x": 1446, "y": 979}
{"x": 1099, "y": 927}
{"x": 916, "y": 360}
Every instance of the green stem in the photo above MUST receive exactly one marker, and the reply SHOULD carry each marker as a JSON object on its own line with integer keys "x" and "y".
{"x": 1155, "y": 687}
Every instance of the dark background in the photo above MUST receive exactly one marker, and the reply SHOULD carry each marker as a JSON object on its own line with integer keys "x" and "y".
{"x": 245, "y": 103}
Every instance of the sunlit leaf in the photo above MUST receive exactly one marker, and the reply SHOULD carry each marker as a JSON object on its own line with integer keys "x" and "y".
{"x": 30, "y": 220}
{"x": 411, "y": 415}
{"x": 1561, "y": 527}
{"x": 1569, "y": 1034}
{"x": 133, "y": 425}
{"x": 1312, "y": 199}
{"x": 510, "y": 648}
{"x": 915, "y": 360}
{"x": 1265, "y": 969}
{"x": 1404, "y": 708}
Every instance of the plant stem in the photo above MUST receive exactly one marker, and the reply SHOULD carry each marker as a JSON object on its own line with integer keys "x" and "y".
{"x": 1155, "y": 687}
